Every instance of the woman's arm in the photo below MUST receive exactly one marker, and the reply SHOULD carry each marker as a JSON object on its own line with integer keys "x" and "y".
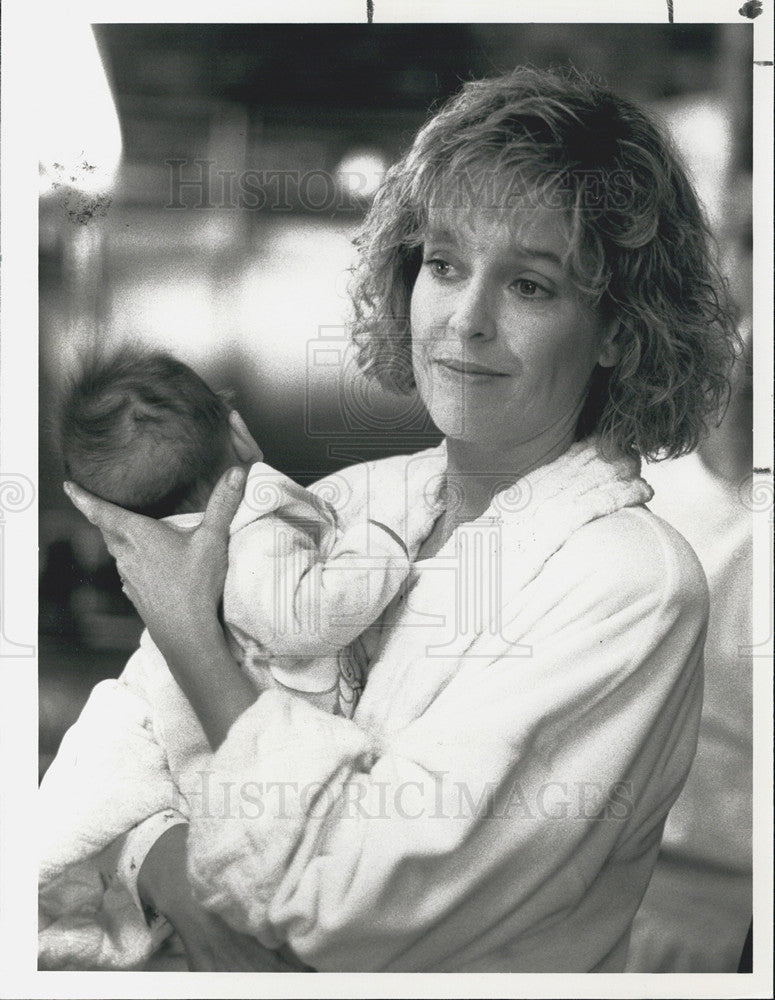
{"x": 152, "y": 560}
{"x": 212, "y": 681}
{"x": 210, "y": 944}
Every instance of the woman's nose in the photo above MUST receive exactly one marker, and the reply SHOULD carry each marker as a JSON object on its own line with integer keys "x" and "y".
{"x": 472, "y": 315}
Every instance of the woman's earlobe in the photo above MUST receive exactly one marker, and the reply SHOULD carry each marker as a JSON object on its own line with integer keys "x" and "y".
{"x": 610, "y": 349}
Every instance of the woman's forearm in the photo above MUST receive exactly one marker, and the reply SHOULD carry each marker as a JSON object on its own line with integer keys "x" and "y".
{"x": 209, "y": 943}
{"x": 161, "y": 880}
{"x": 212, "y": 681}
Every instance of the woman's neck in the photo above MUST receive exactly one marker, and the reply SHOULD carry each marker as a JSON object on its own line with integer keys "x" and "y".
{"x": 475, "y": 473}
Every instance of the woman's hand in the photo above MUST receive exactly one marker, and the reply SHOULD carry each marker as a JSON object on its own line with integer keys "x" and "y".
{"x": 174, "y": 578}
{"x": 210, "y": 944}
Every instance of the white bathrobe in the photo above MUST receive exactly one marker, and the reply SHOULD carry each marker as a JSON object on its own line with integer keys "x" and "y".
{"x": 530, "y": 715}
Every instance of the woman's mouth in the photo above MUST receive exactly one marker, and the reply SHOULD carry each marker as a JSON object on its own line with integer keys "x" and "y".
{"x": 468, "y": 369}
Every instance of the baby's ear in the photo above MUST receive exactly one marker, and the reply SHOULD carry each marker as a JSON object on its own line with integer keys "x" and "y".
{"x": 242, "y": 440}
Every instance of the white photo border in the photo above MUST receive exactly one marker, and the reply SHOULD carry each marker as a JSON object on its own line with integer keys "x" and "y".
{"x": 23, "y": 24}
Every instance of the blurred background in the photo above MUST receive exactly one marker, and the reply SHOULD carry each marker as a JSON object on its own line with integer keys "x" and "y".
{"x": 200, "y": 189}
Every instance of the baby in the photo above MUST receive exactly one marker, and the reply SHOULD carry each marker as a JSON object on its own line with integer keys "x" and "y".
{"x": 142, "y": 430}
{"x": 145, "y": 431}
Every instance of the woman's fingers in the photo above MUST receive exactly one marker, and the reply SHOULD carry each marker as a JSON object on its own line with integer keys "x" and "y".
{"x": 173, "y": 578}
{"x": 224, "y": 501}
{"x": 110, "y": 519}
{"x": 242, "y": 440}
{"x": 211, "y": 945}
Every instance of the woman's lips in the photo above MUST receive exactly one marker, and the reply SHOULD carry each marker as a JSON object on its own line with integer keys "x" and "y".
{"x": 468, "y": 369}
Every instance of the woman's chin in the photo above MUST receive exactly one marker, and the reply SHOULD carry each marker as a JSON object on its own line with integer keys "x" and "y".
{"x": 472, "y": 430}
{"x": 455, "y": 422}
{"x": 461, "y": 418}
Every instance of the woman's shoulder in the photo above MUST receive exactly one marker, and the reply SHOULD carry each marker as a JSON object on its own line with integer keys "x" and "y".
{"x": 634, "y": 553}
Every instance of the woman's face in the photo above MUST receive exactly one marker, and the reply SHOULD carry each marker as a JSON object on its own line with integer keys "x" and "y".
{"x": 502, "y": 345}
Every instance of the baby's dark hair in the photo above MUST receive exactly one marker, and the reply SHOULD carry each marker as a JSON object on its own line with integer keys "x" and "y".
{"x": 143, "y": 430}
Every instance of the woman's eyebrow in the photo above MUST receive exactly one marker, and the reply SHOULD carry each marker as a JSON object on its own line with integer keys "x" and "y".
{"x": 443, "y": 234}
{"x": 439, "y": 234}
{"x": 525, "y": 251}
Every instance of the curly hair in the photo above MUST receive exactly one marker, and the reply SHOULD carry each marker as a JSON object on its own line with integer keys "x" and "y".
{"x": 639, "y": 248}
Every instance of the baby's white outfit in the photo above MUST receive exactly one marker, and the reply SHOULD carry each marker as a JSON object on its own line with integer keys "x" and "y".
{"x": 299, "y": 592}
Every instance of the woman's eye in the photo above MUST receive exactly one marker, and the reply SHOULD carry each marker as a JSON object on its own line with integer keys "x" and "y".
{"x": 438, "y": 267}
{"x": 530, "y": 289}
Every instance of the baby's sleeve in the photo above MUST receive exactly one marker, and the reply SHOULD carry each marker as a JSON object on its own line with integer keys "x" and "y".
{"x": 302, "y": 592}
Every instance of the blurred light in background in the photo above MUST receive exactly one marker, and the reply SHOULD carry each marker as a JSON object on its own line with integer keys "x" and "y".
{"x": 361, "y": 171}
{"x": 79, "y": 136}
{"x": 703, "y": 134}
{"x": 285, "y": 296}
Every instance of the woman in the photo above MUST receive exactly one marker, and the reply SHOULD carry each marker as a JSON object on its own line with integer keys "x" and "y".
{"x": 537, "y": 265}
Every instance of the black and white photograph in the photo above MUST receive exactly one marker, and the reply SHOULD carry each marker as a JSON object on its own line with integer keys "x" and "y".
{"x": 399, "y": 456}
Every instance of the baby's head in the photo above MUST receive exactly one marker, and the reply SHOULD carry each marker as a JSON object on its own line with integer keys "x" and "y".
{"x": 144, "y": 431}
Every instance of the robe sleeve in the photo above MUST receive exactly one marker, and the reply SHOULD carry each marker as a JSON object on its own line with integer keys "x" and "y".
{"x": 110, "y": 775}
